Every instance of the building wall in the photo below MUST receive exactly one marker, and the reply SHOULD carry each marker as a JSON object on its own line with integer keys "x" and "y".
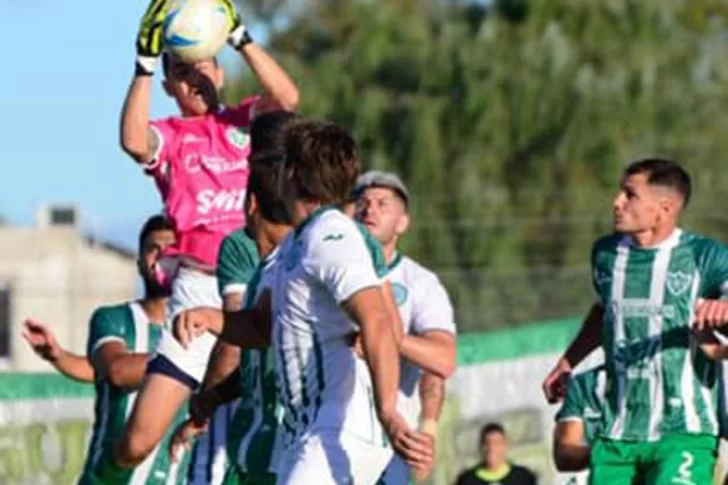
{"x": 58, "y": 278}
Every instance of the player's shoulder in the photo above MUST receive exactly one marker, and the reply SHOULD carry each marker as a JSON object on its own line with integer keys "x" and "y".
{"x": 608, "y": 243}
{"x": 115, "y": 312}
{"x": 702, "y": 245}
{"x": 523, "y": 473}
{"x": 419, "y": 272}
{"x": 330, "y": 227}
{"x": 238, "y": 240}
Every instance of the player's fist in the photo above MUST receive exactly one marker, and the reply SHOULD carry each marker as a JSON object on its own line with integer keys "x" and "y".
{"x": 554, "y": 386}
{"x": 190, "y": 324}
{"x": 239, "y": 35}
{"x": 41, "y": 340}
{"x": 183, "y": 437}
{"x": 149, "y": 38}
{"x": 416, "y": 448}
{"x": 710, "y": 314}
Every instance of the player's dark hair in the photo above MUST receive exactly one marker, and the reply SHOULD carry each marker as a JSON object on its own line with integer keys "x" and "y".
{"x": 266, "y": 169}
{"x": 665, "y": 173}
{"x": 268, "y": 130}
{"x": 153, "y": 224}
{"x": 322, "y": 162}
{"x": 491, "y": 428}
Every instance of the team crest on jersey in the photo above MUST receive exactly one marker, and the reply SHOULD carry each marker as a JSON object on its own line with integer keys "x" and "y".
{"x": 399, "y": 291}
{"x": 238, "y": 137}
{"x": 678, "y": 282}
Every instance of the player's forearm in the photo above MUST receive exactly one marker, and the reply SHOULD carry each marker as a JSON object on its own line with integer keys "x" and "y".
{"x": 76, "y": 367}
{"x": 571, "y": 457}
{"x": 381, "y": 356}
{"x": 224, "y": 360}
{"x": 432, "y": 396}
{"x": 588, "y": 338}
{"x": 275, "y": 81}
{"x": 248, "y": 329}
{"x": 210, "y": 399}
{"x": 134, "y": 128}
{"x": 435, "y": 354}
{"x": 128, "y": 370}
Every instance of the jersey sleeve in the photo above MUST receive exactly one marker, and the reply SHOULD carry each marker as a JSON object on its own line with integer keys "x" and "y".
{"x": 574, "y": 402}
{"x": 433, "y": 310}
{"x": 244, "y": 113}
{"x": 236, "y": 263}
{"x": 714, "y": 270}
{"x": 339, "y": 258}
{"x": 158, "y": 167}
{"x": 106, "y": 326}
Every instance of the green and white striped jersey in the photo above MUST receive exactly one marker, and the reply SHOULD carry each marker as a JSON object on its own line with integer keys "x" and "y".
{"x": 584, "y": 402}
{"x": 256, "y": 445}
{"x": 659, "y": 381}
{"x": 129, "y": 324}
{"x": 322, "y": 383}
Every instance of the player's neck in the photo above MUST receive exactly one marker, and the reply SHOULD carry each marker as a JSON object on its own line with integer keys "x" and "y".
{"x": 653, "y": 237}
{"x": 155, "y": 308}
{"x": 390, "y": 251}
{"x": 304, "y": 210}
{"x": 270, "y": 236}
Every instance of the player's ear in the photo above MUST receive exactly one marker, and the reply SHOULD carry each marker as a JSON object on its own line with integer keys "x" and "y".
{"x": 403, "y": 223}
{"x": 251, "y": 205}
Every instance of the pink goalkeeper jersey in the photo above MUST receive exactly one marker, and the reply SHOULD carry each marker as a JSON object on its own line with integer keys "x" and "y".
{"x": 201, "y": 171}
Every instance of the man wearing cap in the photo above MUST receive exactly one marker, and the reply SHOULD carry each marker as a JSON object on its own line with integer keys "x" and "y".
{"x": 428, "y": 347}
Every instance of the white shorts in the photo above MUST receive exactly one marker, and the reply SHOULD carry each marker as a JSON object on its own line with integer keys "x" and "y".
{"x": 333, "y": 458}
{"x": 396, "y": 473}
{"x": 190, "y": 289}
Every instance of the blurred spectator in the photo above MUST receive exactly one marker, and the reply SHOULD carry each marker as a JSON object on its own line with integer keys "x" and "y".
{"x": 494, "y": 468}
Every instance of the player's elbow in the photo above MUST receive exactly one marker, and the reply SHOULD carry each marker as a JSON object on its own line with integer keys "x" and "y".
{"x": 133, "y": 449}
{"x": 133, "y": 144}
{"x": 290, "y": 98}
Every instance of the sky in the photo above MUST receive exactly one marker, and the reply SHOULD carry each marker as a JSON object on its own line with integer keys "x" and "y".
{"x": 66, "y": 69}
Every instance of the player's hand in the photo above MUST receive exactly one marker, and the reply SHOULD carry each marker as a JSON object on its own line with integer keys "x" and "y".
{"x": 416, "y": 448}
{"x": 183, "y": 437}
{"x": 710, "y": 314}
{"x": 42, "y": 340}
{"x": 555, "y": 384}
{"x": 190, "y": 324}
{"x": 354, "y": 341}
{"x": 239, "y": 35}
{"x": 149, "y": 38}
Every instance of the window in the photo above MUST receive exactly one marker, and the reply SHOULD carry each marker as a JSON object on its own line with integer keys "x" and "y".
{"x": 5, "y": 322}
{"x": 63, "y": 216}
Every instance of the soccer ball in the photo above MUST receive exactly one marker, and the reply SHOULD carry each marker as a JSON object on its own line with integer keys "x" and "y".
{"x": 195, "y": 30}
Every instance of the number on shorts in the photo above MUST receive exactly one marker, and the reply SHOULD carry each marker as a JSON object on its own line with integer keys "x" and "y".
{"x": 684, "y": 473}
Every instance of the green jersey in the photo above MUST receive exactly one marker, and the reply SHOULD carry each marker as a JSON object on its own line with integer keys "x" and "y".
{"x": 584, "y": 402}
{"x": 128, "y": 324}
{"x": 255, "y": 449}
{"x": 659, "y": 382}
{"x": 236, "y": 263}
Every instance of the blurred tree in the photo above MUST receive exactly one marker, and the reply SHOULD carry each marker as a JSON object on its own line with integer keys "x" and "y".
{"x": 511, "y": 120}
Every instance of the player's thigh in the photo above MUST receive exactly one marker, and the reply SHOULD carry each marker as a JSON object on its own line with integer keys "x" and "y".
{"x": 683, "y": 461}
{"x": 613, "y": 463}
{"x": 156, "y": 407}
{"x": 396, "y": 473}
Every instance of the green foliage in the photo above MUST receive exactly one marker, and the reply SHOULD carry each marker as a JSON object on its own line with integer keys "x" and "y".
{"x": 511, "y": 124}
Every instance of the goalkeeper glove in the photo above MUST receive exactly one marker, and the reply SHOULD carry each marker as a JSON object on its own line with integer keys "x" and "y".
{"x": 149, "y": 38}
{"x": 239, "y": 35}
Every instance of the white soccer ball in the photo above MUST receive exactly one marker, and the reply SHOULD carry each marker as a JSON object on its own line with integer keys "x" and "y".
{"x": 195, "y": 30}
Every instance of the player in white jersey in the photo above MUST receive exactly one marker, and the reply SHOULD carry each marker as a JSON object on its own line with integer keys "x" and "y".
{"x": 326, "y": 287}
{"x": 425, "y": 310}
